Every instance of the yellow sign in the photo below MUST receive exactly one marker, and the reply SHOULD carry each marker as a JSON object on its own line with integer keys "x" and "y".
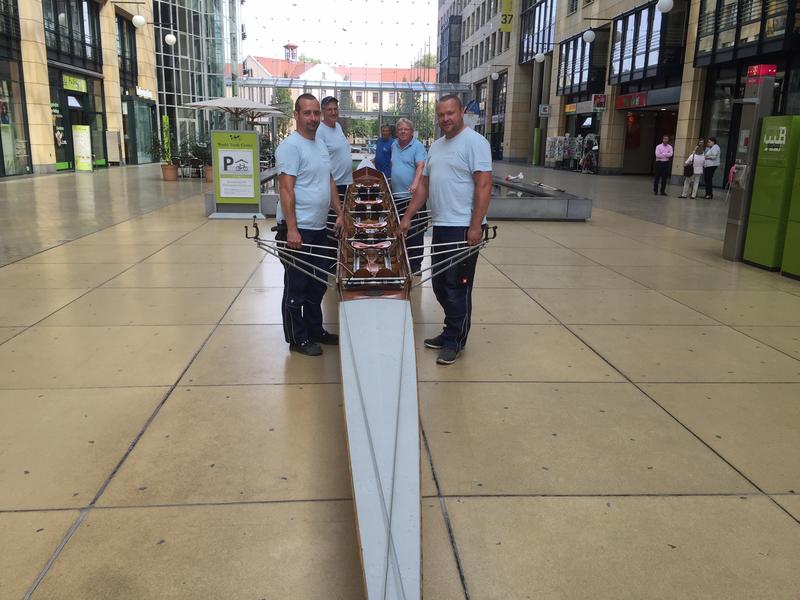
{"x": 506, "y": 15}
{"x": 73, "y": 83}
{"x": 82, "y": 147}
{"x": 570, "y": 109}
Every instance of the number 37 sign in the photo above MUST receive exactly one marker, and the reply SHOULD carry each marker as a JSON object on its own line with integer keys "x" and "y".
{"x": 507, "y": 15}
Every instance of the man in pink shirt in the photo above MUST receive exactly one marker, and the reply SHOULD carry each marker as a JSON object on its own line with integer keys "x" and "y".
{"x": 661, "y": 168}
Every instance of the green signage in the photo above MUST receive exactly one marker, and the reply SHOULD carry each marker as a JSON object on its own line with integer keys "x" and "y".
{"x": 74, "y": 83}
{"x": 236, "y": 173}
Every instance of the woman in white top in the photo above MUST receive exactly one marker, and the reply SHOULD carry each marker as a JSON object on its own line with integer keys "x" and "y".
{"x": 697, "y": 161}
{"x": 712, "y": 155}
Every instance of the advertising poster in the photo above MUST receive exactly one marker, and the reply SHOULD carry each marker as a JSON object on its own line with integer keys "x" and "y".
{"x": 236, "y": 172}
{"x": 82, "y": 144}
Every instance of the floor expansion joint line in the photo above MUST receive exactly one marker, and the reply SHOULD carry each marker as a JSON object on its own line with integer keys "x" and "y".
{"x": 97, "y": 287}
{"x": 56, "y": 553}
{"x": 84, "y": 512}
{"x": 655, "y": 402}
{"x": 445, "y": 515}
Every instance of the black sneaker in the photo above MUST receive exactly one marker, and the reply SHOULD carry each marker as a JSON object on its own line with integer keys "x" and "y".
{"x": 447, "y": 356}
{"x": 308, "y": 348}
{"x": 664, "y": 194}
{"x": 435, "y": 343}
{"x": 327, "y": 338}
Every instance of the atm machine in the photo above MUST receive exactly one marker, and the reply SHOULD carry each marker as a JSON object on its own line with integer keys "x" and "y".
{"x": 772, "y": 191}
{"x": 791, "y": 250}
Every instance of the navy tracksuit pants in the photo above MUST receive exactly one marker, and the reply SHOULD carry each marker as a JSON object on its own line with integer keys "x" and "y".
{"x": 453, "y": 288}
{"x": 415, "y": 255}
{"x": 302, "y": 295}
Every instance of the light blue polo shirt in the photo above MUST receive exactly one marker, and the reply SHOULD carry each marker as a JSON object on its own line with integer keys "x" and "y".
{"x": 339, "y": 151}
{"x": 310, "y": 163}
{"x": 449, "y": 167}
{"x": 404, "y": 164}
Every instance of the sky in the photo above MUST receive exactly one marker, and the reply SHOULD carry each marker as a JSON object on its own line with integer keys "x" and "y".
{"x": 372, "y": 33}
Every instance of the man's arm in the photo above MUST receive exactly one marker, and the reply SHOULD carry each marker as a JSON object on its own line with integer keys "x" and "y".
{"x": 286, "y": 187}
{"x": 417, "y": 200}
{"x": 417, "y": 177}
{"x": 336, "y": 206}
{"x": 480, "y": 205}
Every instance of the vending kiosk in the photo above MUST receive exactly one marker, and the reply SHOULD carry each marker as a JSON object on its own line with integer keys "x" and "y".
{"x": 772, "y": 191}
{"x": 791, "y": 250}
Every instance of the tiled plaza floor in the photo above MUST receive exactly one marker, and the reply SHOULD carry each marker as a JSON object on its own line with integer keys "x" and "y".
{"x": 624, "y": 424}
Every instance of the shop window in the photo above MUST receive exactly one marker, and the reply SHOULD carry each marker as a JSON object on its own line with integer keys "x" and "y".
{"x": 729, "y": 29}
{"x": 537, "y": 29}
{"x": 72, "y": 32}
{"x": 705, "y": 26}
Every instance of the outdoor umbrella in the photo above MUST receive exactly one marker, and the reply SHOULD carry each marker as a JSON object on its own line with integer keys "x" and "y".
{"x": 238, "y": 108}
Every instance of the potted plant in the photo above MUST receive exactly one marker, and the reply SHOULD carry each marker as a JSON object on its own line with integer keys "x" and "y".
{"x": 169, "y": 170}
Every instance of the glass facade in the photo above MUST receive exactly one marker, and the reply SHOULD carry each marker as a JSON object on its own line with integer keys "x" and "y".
{"x": 538, "y": 29}
{"x": 646, "y": 43}
{"x": 138, "y": 114}
{"x": 499, "y": 93}
{"x": 730, "y": 30}
{"x": 581, "y": 66}
{"x": 202, "y": 64}
{"x": 450, "y": 50}
{"x": 14, "y": 145}
{"x": 725, "y": 85}
{"x": 72, "y": 33}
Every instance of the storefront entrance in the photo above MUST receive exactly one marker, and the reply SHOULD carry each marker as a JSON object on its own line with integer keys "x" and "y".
{"x": 14, "y": 147}
{"x": 644, "y": 130}
{"x": 139, "y": 126}
{"x": 76, "y": 100}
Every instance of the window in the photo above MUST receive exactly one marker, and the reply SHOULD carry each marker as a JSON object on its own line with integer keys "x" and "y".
{"x": 537, "y": 29}
{"x": 72, "y": 32}
{"x": 392, "y": 97}
{"x": 359, "y": 97}
{"x": 579, "y": 68}
{"x": 645, "y": 44}
{"x": 572, "y": 6}
{"x": 732, "y": 29}
{"x": 376, "y": 98}
{"x": 126, "y": 50}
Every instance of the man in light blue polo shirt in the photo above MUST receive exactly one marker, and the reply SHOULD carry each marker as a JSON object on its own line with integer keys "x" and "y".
{"x": 408, "y": 159}
{"x": 457, "y": 179}
{"x": 307, "y": 191}
{"x": 330, "y": 132}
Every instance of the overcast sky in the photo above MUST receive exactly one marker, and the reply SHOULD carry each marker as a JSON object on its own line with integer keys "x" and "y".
{"x": 374, "y": 33}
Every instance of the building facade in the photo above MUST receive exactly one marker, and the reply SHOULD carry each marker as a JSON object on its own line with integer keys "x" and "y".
{"x": 642, "y": 72}
{"x": 203, "y": 63}
{"x": 68, "y": 71}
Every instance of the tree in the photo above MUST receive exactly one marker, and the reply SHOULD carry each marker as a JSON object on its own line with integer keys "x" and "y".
{"x": 307, "y": 59}
{"x": 427, "y": 61}
{"x": 283, "y": 102}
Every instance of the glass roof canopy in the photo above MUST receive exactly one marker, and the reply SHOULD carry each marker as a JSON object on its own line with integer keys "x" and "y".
{"x": 386, "y": 86}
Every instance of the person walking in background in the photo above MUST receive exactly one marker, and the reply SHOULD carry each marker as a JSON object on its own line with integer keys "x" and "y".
{"x": 712, "y": 155}
{"x": 693, "y": 170}
{"x": 383, "y": 151}
{"x": 663, "y": 161}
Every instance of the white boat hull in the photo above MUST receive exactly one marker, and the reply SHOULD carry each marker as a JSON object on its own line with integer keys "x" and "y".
{"x": 379, "y": 380}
